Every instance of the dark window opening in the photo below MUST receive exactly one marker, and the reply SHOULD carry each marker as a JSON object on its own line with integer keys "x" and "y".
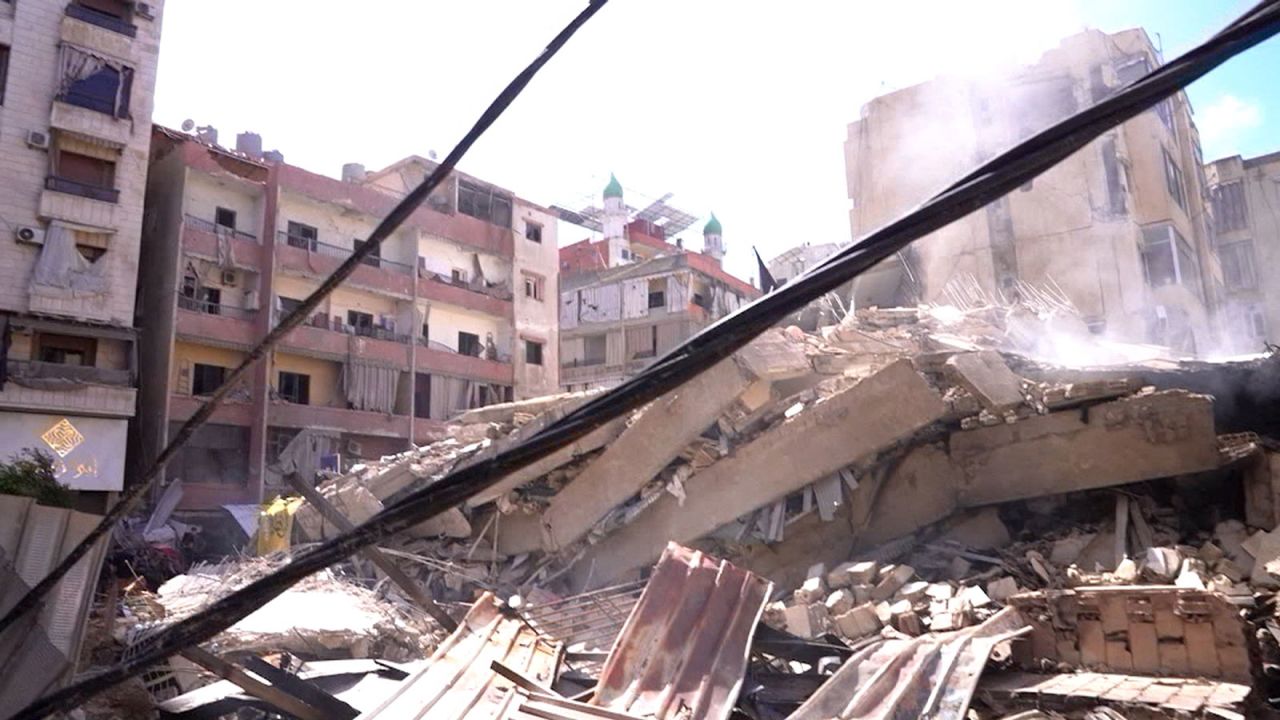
{"x": 1115, "y": 179}
{"x": 66, "y": 349}
{"x": 422, "y": 394}
{"x": 85, "y": 176}
{"x": 288, "y": 305}
{"x": 205, "y": 379}
{"x": 361, "y": 322}
{"x": 426, "y": 332}
{"x": 532, "y": 352}
{"x": 4, "y": 70}
{"x": 484, "y": 204}
{"x": 210, "y": 300}
{"x": 1230, "y": 211}
{"x": 533, "y": 232}
{"x": 458, "y": 276}
{"x": 657, "y": 299}
{"x": 469, "y": 344}
{"x": 301, "y": 235}
{"x": 90, "y": 253}
{"x": 1167, "y": 259}
{"x": 1173, "y": 180}
{"x": 533, "y": 287}
{"x": 374, "y": 258}
{"x": 294, "y": 387}
{"x": 214, "y": 454}
{"x": 222, "y": 217}
{"x": 94, "y": 83}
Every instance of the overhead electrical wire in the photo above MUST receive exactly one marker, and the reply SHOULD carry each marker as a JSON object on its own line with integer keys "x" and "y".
{"x": 987, "y": 183}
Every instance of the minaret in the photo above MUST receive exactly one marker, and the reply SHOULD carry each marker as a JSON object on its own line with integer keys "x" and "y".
{"x": 615, "y": 222}
{"x": 712, "y": 243}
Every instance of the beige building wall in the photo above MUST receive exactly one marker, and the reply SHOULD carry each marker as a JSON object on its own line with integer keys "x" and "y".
{"x": 537, "y": 314}
{"x": 1245, "y": 195}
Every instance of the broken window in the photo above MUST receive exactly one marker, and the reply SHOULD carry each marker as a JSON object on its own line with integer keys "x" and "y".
{"x": 288, "y": 304}
{"x": 532, "y": 352}
{"x": 94, "y": 82}
{"x": 83, "y": 175}
{"x": 4, "y": 70}
{"x": 1229, "y": 209}
{"x": 1238, "y": 270}
{"x": 657, "y": 293}
{"x": 469, "y": 344}
{"x": 593, "y": 350}
{"x": 66, "y": 349}
{"x": 294, "y": 387}
{"x": 360, "y": 322}
{"x": 1173, "y": 180}
{"x": 1116, "y": 189}
{"x": 374, "y": 258}
{"x": 458, "y": 276}
{"x": 534, "y": 286}
{"x": 224, "y": 218}
{"x": 205, "y": 379}
{"x": 1168, "y": 259}
{"x": 533, "y": 232}
{"x": 484, "y": 204}
{"x": 301, "y": 235}
{"x": 214, "y": 454}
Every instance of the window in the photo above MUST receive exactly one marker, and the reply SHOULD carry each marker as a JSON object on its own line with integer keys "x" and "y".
{"x": 1168, "y": 259}
{"x": 361, "y": 322}
{"x": 657, "y": 293}
{"x": 1237, "y": 265}
{"x": 95, "y": 83}
{"x": 532, "y": 352}
{"x": 1255, "y": 322}
{"x": 374, "y": 258}
{"x": 1173, "y": 180}
{"x": 458, "y": 276}
{"x": 114, "y": 15}
{"x": 301, "y": 235}
{"x": 288, "y": 305}
{"x": 224, "y": 218}
{"x": 1115, "y": 178}
{"x": 205, "y": 379}
{"x": 485, "y": 204}
{"x": 533, "y": 232}
{"x": 66, "y": 349}
{"x": 210, "y": 300}
{"x": 83, "y": 175}
{"x": 593, "y": 350}
{"x": 534, "y": 286}
{"x": 4, "y": 70}
{"x": 426, "y": 332}
{"x": 295, "y": 387}
{"x": 1229, "y": 209}
{"x": 469, "y": 344}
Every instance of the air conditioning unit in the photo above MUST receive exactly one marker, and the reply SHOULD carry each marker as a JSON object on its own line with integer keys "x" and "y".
{"x": 143, "y": 10}
{"x": 354, "y": 448}
{"x": 29, "y": 234}
{"x": 38, "y": 140}
{"x": 229, "y": 278}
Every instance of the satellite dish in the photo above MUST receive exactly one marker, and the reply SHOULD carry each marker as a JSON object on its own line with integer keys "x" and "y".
{"x": 431, "y": 154}
{"x": 188, "y": 125}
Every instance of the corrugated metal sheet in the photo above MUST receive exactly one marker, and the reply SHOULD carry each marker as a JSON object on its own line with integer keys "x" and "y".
{"x": 928, "y": 676}
{"x": 683, "y": 652}
{"x": 40, "y": 652}
{"x": 459, "y": 684}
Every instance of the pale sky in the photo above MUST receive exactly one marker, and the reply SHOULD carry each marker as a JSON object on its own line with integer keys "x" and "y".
{"x": 737, "y": 107}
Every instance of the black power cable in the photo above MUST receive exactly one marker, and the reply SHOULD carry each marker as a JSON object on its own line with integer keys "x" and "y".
{"x": 989, "y": 182}
{"x": 401, "y": 212}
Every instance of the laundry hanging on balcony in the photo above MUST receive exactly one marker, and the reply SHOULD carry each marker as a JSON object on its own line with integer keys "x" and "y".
{"x": 370, "y": 387}
{"x": 62, "y": 272}
{"x": 94, "y": 82}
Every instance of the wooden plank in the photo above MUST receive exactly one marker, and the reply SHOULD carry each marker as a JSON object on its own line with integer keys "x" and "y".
{"x": 273, "y": 695}
{"x": 384, "y": 563}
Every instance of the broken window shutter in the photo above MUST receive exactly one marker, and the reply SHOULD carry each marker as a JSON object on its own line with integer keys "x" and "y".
{"x": 185, "y": 368}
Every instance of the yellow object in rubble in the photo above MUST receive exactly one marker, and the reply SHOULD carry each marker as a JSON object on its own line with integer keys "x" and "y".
{"x": 275, "y": 524}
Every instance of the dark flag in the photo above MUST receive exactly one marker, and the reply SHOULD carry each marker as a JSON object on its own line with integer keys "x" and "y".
{"x": 767, "y": 283}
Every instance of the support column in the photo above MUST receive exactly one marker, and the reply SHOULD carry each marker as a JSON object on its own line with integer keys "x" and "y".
{"x": 261, "y": 372}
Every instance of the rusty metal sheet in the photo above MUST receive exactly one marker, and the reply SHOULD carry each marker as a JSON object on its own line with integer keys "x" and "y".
{"x": 590, "y": 621}
{"x": 683, "y": 651}
{"x": 458, "y": 682}
{"x": 928, "y": 676}
{"x": 39, "y": 652}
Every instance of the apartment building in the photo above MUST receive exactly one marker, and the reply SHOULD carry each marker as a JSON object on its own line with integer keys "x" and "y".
{"x": 76, "y": 84}
{"x": 1119, "y": 226}
{"x": 455, "y": 311}
{"x": 629, "y": 298}
{"x": 1244, "y": 198}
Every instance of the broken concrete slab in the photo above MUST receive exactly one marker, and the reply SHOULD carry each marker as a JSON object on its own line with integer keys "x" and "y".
{"x": 980, "y": 529}
{"x": 986, "y": 375}
{"x": 852, "y": 573}
{"x": 774, "y": 356}
{"x": 858, "y": 622}
{"x": 852, "y": 424}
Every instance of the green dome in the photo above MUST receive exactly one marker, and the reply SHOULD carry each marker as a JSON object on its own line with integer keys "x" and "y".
{"x": 614, "y": 188}
{"x": 712, "y": 227}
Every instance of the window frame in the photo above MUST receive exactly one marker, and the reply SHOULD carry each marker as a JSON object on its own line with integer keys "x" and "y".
{"x": 470, "y": 339}
{"x": 296, "y": 232}
{"x": 1174, "y": 180}
{"x": 218, "y": 212}
{"x": 196, "y": 369}
{"x": 533, "y": 232}
{"x": 533, "y": 348}
{"x": 300, "y": 392}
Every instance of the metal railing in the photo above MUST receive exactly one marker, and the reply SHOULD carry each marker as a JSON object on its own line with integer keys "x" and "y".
{"x": 321, "y": 248}
{"x": 324, "y": 322}
{"x": 36, "y": 370}
{"x": 101, "y": 19}
{"x": 216, "y": 229}
{"x": 74, "y": 187}
{"x": 186, "y": 302}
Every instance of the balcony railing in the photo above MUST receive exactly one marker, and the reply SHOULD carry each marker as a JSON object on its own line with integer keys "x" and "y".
{"x": 324, "y": 322}
{"x": 210, "y": 227}
{"x": 186, "y": 302}
{"x": 36, "y": 370}
{"x": 502, "y": 356}
{"x": 73, "y": 187}
{"x": 320, "y": 248}
{"x": 101, "y": 19}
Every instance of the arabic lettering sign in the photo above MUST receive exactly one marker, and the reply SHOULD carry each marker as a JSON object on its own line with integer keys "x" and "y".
{"x": 88, "y": 453}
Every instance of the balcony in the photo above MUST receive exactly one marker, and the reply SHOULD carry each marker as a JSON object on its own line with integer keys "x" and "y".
{"x": 359, "y": 422}
{"x": 580, "y": 373}
{"x": 203, "y": 321}
{"x": 311, "y": 257}
{"x": 454, "y": 292}
{"x": 76, "y": 118}
{"x": 203, "y": 237}
{"x": 85, "y": 190}
{"x": 68, "y": 389}
{"x": 102, "y": 20}
{"x": 322, "y": 336}
{"x": 230, "y": 412}
{"x": 436, "y": 358}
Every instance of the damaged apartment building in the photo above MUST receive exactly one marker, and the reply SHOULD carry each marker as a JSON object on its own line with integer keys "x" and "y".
{"x": 1244, "y": 196}
{"x": 450, "y": 313}
{"x": 1119, "y": 228}
{"x": 76, "y": 84}
{"x": 630, "y": 297}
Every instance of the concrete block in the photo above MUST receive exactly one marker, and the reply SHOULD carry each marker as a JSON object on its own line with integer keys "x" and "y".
{"x": 840, "y": 602}
{"x": 852, "y": 573}
{"x": 811, "y": 591}
{"x": 775, "y": 615}
{"x": 908, "y": 622}
{"x": 806, "y": 621}
{"x": 1002, "y": 589}
{"x": 892, "y": 581}
{"x": 980, "y": 529}
{"x": 913, "y": 592}
{"x": 986, "y": 375}
{"x": 862, "y": 593}
{"x": 858, "y": 622}
{"x": 818, "y": 571}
